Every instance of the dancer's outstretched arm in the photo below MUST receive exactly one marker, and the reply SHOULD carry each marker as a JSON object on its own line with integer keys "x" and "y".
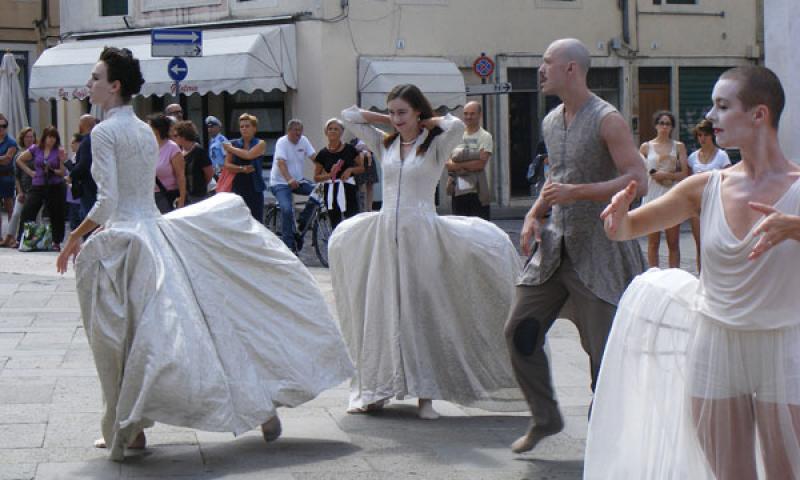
{"x": 675, "y": 206}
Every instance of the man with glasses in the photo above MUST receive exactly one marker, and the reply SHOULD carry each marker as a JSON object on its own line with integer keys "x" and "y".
{"x": 174, "y": 110}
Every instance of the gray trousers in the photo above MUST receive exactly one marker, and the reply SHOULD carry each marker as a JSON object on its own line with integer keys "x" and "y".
{"x": 533, "y": 312}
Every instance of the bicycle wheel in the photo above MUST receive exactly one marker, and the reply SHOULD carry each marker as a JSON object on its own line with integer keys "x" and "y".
{"x": 321, "y": 234}
{"x": 272, "y": 218}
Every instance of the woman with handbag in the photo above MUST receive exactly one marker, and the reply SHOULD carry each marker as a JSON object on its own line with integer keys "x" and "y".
{"x": 200, "y": 318}
{"x": 665, "y": 160}
{"x": 48, "y": 182}
{"x": 170, "y": 189}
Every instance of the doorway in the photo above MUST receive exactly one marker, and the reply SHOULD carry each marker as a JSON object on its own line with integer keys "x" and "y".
{"x": 654, "y": 95}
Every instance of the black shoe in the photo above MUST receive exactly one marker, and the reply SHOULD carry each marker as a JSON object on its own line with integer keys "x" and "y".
{"x": 298, "y": 241}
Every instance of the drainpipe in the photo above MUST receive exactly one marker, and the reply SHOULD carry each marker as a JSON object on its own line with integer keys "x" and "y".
{"x": 626, "y": 29}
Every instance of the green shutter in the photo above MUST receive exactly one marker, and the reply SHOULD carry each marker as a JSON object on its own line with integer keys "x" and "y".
{"x": 696, "y": 84}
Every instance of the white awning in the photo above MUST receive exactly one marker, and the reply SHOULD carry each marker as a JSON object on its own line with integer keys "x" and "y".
{"x": 240, "y": 59}
{"x": 438, "y": 78}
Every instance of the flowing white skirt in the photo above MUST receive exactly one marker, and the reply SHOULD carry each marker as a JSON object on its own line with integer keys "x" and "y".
{"x": 422, "y": 301}
{"x": 681, "y": 396}
{"x": 204, "y": 319}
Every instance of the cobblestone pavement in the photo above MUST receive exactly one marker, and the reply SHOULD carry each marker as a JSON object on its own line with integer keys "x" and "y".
{"x": 50, "y": 406}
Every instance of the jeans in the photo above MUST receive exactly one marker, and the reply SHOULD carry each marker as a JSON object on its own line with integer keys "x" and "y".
{"x": 87, "y": 202}
{"x": 283, "y": 193}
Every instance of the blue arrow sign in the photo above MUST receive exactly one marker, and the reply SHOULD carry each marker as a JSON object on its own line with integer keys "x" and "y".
{"x": 176, "y": 36}
{"x": 176, "y": 43}
{"x": 177, "y": 69}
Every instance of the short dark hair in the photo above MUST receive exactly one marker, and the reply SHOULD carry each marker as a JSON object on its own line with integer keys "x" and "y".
{"x": 759, "y": 86}
{"x": 186, "y": 129}
{"x": 123, "y": 66}
{"x": 161, "y": 124}
{"x": 50, "y": 131}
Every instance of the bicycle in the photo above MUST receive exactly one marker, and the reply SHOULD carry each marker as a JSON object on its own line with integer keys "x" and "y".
{"x": 319, "y": 224}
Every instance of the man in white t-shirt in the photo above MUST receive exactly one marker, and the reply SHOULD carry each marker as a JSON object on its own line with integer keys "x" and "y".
{"x": 467, "y": 184}
{"x": 286, "y": 178}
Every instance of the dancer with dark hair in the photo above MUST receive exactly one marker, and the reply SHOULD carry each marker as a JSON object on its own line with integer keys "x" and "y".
{"x": 437, "y": 288}
{"x": 165, "y": 350}
{"x": 698, "y": 374}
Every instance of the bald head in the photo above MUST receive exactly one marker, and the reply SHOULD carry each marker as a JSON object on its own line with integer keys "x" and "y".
{"x": 86, "y": 123}
{"x": 472, "y": 116}
{"x": 572, "y": 50}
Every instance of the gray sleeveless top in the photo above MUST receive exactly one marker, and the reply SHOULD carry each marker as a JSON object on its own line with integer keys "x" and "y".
{"x": 579, "y": 155}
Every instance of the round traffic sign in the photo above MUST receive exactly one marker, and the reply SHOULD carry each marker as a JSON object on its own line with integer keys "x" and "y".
{"x": 483, "y": 66}
{"x": 177, "y": 69}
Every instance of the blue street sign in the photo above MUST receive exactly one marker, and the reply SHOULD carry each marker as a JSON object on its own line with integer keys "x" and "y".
{"x": 176, "y": 43}
{"x": 177, "y": 69}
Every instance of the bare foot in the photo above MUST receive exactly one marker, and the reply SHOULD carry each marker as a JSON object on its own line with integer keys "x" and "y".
{"x": 426, "y": 411}
{"x": 535, "y": 435}
{"x": 138, "y": 443}
{"x": 272, "y": 429}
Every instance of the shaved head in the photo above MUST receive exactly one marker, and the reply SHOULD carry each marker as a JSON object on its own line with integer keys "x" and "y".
{"x": 476, "y": 106}
{"x": 572, "y": 50}
{"x": 86, "y": 123}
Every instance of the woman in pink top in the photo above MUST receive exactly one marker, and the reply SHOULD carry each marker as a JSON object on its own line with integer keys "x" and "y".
{"x": 697, "y": 375}
{"x": 171, "y": 168}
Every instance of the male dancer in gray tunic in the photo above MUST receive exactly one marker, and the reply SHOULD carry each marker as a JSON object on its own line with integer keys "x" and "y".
{"x": 592, "y": 156}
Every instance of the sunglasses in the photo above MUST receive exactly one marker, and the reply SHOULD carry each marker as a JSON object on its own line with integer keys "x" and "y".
{"x": 175, "y": 112}
{"x": 3, "y": 125}
{"x": 666, "y": 124}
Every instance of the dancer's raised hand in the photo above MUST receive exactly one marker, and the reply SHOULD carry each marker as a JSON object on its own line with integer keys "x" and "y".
{"x": 617, "y": 210}
{"x": 774, "y": 229}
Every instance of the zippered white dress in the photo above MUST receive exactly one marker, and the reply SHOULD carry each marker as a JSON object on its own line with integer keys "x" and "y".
{"x": 422, "y": 299}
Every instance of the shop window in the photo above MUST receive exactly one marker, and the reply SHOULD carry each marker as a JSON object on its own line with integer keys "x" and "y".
{"x": 110, "y": 8}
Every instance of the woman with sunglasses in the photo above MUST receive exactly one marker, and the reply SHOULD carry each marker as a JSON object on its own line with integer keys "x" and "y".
{"x": 665, "y": 160}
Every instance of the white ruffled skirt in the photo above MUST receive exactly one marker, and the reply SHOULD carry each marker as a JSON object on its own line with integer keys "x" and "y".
{"x": 682, "y": 396}
{"x": 203, "y": 319}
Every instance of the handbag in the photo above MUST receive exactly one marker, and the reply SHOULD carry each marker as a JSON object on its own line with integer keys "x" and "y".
{"x": 36, "y": 237}
{"x": 225, "y": 181}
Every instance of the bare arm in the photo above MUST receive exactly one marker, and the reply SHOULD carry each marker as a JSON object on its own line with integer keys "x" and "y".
{"x": 628, "y": 161}
{"x": 252, "y": 154}
{"x": 179, "y": 168}
{"x": 22, "y": 161}
{"x": 6, "y": 158}
{"x": 477, "y": 165}
{"x": 672, "y": 208}
{"x": 208, "y": 172}
{"x": 62, "y": 157}
{"x": 284, "y": 170}
{"x": 357, "y": 170}
{"x": 320, "y": 175}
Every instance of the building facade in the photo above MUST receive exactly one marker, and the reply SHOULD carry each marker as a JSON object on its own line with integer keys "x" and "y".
{"x": 27, "y": 27}
{"x": 308, "y": 59}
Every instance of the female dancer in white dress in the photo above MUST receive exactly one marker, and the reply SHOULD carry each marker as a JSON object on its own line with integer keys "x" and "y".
{"x": 438, "y": 289}
{"x": 201, "y": 318}
{"x": 697, "y": 374}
